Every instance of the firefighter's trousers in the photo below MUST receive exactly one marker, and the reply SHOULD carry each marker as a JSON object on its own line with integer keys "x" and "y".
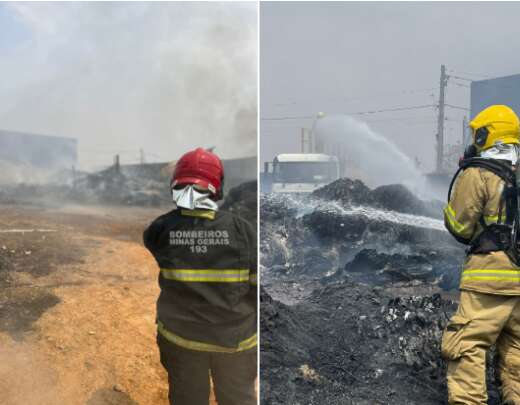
{"x": 189, "y": 371}
{"x": 481, "y": 321}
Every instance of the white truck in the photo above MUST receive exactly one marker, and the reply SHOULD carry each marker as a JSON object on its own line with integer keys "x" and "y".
{"x": 300, "y": 172}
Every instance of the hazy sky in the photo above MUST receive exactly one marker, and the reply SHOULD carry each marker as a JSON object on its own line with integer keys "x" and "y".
{"x": 356, "y": 57}
{"x": 164, "y": 77}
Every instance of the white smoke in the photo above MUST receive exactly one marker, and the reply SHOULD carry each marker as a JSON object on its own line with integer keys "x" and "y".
{"x": 377, "y": 160}
{"x": 165, "y": 77}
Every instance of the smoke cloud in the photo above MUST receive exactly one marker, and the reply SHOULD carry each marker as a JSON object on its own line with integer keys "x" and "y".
{"x": 376, "y": 158}
{"x": 123, "y": 76}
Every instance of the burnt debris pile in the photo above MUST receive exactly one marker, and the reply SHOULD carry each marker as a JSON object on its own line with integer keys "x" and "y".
{"x": 115, "y": 185}
{"x": 353, "y": 308}
{"x": 394, "y": 197}
{"x": 130, "y": 185}
{"x": 145, "y": 185}
{"x": 350, "y": 343}
{"x": 347, "y": 231}
{"x": 242, "y": 200}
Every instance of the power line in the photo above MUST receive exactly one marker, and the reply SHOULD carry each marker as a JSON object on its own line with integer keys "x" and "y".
{"x": 460, "y": 78}
{"x": 302, "y": 117}
{"x": 399, "y": 117}
{"x": 416, "y": 107}
{"x": 369, "y": 97}
{"x": 470, "y": 74}
{"x": 461, "y": 85}
{"x": 417, "y": 120}
{"x": 406, "y": 120}
{"x": 457, "y": 107}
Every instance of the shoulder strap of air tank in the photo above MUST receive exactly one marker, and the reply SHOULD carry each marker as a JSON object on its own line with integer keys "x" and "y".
{"x": 502, "y": 170}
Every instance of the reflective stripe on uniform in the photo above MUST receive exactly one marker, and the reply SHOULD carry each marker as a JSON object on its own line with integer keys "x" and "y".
{"x": 493, "y": 219}
{"x": 491, "y": 275}
{"x": 246, "y": 344}
{"x": 450, "y": 215}
{"x": 207, "y": 276}
{"x": 208, "y": 214}
{"x": 252, "y": 279}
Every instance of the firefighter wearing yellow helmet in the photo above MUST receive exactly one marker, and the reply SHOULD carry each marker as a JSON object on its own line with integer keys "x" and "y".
{"x": 482, "y": 212}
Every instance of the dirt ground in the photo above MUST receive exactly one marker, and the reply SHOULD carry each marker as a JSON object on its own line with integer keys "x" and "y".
{"x": 77, "y": 307}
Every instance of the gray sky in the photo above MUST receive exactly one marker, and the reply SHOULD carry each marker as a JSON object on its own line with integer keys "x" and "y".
{"x": 165, "y": 77}
{"x": 355, "y": 57}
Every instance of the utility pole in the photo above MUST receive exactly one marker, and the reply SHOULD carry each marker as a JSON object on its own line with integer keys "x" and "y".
{"x": 141, "y": 156}
{"x": 303, "y": 140}
{"x": 312, "y": 136}
{"x": 117, "y": 164}
{"x": 74, "y": 178}
{"x": 440, "y": 120}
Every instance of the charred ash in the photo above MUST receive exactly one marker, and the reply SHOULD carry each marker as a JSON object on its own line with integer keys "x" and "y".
{"x": 131, "y": 185}
{"x": 242, "y": 200}
{"x": 393, "y": 197}
{"x": 122, "y": 185}
{"x": 346, "y": 230}
{"x": 357, "y": 286}
{"x": 350, "y": 343}
{"x": 119, "y": 186}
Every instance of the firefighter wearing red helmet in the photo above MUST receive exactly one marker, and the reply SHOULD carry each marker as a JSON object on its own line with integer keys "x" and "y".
{"x": 207, "y": 308}
{"x": 202, "y": 168}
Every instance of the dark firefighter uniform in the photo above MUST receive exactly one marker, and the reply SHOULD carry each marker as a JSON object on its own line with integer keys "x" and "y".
{"x": 207, "y": 308}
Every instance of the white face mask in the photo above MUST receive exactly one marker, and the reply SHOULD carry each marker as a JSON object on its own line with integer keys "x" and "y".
{"x": 190, "y": 198}
{"x": 502, "y": 151}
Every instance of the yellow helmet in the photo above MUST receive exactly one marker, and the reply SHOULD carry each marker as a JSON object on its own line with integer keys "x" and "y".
{"x": 497, "y": 123}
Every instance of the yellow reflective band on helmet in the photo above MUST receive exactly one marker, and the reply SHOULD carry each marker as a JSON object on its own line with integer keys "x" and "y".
{"x": 207, "y": 276}
{"x": 491, "y": 275}
{"x": 252, "y": 279}
{"x": 208, "y": 214}
{"x": 246, "y": 344}
{"x": 450, "y": 215}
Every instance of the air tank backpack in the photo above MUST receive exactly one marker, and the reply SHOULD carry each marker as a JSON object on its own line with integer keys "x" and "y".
{"x": 502, "y": 235}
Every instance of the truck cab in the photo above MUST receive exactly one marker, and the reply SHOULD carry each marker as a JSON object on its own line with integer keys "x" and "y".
{"x": 301, "y": 172}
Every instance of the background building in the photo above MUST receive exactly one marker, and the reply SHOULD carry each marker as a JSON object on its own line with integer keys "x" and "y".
{"x": 40, "y": 151}
{"x": 502, "y": 90}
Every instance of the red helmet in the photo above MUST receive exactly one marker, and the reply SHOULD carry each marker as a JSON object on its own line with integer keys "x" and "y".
{"x": 200, "y": 167}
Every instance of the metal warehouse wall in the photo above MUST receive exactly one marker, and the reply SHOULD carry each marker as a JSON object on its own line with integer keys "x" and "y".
{"x": 47, "y": 152}
{"x": 502, "y": 90}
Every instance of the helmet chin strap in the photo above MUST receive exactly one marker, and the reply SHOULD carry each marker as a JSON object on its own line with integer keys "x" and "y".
{"x": 190, "y": 198}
